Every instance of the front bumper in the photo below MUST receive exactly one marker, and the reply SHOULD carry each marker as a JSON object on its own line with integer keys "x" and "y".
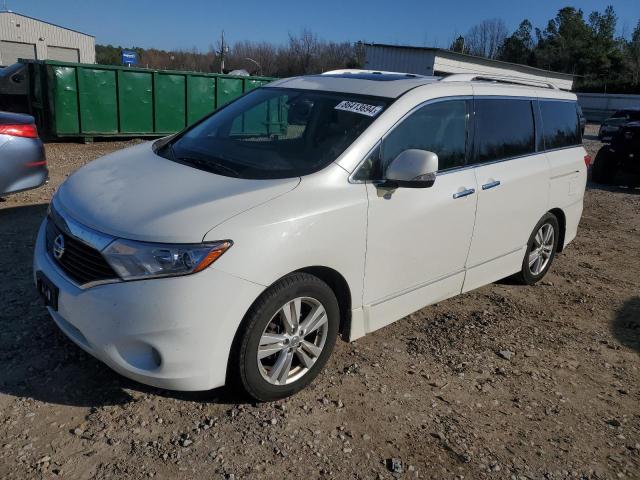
{"x": 174, "y": 333}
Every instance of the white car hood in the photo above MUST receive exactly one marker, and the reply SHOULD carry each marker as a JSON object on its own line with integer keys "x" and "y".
{"x": 136, "y": 194}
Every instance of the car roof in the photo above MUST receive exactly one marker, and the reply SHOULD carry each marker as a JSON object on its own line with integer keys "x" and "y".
{"x": 377, "y": 84}
{"x": 394, "y": 84}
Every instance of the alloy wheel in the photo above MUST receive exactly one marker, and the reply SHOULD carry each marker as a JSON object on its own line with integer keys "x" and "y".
{"x": 541, "y": 249}
{"x": 292, "y": 341}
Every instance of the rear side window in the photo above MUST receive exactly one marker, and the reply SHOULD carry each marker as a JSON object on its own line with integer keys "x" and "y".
{"x": 560, "y": 124}
{"x": 504, "y": 129}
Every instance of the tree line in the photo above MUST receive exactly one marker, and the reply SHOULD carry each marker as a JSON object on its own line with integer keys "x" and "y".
{"x": 301, "y": 54}
{"x": 586, "y": 46}
{"x": 570, "y": 43}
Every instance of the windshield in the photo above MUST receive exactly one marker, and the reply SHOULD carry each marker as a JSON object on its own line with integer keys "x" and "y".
{"x": 276, "y": 133}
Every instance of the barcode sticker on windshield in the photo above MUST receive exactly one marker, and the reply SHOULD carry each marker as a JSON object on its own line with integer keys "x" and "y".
{"x": 362, "y": 108}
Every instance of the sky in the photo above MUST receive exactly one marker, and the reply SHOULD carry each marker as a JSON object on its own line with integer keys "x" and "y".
{"x": 184, "y": 24}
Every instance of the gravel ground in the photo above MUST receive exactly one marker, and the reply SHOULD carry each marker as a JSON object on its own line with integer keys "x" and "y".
{"x": 504, "y": 382}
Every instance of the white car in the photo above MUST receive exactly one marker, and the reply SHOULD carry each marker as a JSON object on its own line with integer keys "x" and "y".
{"x": 238, "y": 250}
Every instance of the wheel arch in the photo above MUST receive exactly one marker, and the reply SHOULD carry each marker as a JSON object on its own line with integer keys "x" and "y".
{"x": 341, "y": 290}
{"x": 562, "y": 223}
{"x": 333, "y": 279}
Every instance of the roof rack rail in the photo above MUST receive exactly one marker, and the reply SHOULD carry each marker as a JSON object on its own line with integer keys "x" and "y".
{"x": 469, "y": 77}
{"x": 372, "y": 72}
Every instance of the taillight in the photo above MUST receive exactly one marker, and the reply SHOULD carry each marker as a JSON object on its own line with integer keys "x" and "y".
{"x": 587, "y": 160}
{"x": 28, "y": 131}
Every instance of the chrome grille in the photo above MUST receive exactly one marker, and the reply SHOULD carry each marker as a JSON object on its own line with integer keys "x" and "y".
{"x": 83, "y": 263}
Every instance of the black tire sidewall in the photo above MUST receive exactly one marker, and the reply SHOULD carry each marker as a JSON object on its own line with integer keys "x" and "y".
{"x": 526, "y": 275}
{"x": 288, "y": 288}
{"x": 602, "y": 170}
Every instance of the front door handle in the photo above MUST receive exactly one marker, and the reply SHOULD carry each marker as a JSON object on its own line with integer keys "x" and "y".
{"x": 491, "y": 184}
{"x": 464, "y": 193}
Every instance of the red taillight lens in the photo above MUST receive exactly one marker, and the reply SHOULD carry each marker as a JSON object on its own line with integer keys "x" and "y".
{"x": 587, "y": 160}
{"x": 28, "y": 131}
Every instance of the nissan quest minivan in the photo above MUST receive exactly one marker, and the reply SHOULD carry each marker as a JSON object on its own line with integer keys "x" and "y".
{"x": 236, "y": 251}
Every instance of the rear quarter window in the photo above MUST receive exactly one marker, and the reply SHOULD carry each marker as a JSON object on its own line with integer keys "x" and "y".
{"x": 560, "y": 124}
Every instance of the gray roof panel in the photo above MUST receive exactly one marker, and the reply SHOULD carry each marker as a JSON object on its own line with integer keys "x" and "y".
{"x": 377, "y": 85}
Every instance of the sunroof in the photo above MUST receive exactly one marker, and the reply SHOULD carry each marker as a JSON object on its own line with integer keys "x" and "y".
{"x": 378, "y": 77}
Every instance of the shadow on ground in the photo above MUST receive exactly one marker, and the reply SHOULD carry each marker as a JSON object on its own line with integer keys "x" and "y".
{"x": 613, "y": 188}
{"x": 37, "y": 360}
{"x": 626, "y": 326}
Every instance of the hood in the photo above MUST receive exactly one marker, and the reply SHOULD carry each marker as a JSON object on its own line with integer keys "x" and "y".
{"x": 136, "y": 194}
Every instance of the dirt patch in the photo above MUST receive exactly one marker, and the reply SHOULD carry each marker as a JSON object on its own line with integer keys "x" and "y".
{"x": 503, "y": 382}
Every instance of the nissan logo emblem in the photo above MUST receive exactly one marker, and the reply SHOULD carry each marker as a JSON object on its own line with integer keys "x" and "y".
{"x": 58, "y": 247}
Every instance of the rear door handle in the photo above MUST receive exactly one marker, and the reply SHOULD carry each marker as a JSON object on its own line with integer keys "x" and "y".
{"x": 492, "y": 184}
{"x": 464, "y": 193}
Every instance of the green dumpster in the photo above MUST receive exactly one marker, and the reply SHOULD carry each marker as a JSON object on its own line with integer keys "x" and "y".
{"x": 82, "y": 100}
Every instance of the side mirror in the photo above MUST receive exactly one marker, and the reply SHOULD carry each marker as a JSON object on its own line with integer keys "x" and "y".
{"x": 412, "y": 169}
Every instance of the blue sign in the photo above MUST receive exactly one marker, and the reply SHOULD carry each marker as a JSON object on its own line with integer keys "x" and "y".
{"x": 129, "y": 57}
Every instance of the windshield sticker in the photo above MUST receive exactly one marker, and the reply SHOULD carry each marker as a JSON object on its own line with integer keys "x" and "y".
{"x": 361, "y": 108}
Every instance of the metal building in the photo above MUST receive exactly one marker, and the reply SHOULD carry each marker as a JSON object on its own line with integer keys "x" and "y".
{"x": 437, "y": 61}
{"x": 30, "y": 38}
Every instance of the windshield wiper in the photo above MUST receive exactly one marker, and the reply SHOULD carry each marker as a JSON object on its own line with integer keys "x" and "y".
{"x": 209, "y": 164}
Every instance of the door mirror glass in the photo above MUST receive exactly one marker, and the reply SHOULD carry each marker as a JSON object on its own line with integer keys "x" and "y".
{"x": 412, "y": 168}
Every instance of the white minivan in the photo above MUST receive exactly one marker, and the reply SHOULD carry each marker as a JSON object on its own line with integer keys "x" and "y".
{"x": 236, "y": 251}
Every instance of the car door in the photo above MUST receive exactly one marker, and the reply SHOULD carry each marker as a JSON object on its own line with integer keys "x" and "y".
{"x": 418, "y": 238}
{"x": 512, "y": 173}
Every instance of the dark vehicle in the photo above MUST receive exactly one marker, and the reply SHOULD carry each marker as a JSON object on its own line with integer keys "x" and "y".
{"x": 582, "y": 119}
{"x": 23, "y": 165}
{"x": 612, "y": 124}
{"x": 620, "y": 161}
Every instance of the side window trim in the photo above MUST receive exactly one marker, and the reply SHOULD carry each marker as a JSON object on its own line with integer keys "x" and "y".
{"x": 538, "y": 125}
{"x": 467, "y": 98}
{"x": 471, "y": 146}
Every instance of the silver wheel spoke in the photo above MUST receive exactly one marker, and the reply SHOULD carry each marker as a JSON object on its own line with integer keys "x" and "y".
{"x": 310, "y": 348}
{"x": 280, "y": 370}
{"x": 291, "y": 314}
{"x": 548, "y": 235}
{"x": 270, "y": 343}
{"x": 306, "y": 360}
{"x": 538, "y": 238}
{"x": 316, "y": 318}
{"x": 537, "y": 266}
{"x": 264, "y": 352}
{"x": 533, "y": 257}
{"x": 269, "y": 338}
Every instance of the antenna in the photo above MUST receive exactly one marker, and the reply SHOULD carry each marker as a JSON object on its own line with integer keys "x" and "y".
{"x": 4, "y": 7}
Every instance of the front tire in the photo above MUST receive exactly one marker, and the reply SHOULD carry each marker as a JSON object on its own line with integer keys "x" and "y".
{"x": 541, "y": 250}
{"x": 286, "y": 338}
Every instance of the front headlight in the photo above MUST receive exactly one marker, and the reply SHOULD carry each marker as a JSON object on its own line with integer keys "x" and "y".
{"x": 136, "y": 260}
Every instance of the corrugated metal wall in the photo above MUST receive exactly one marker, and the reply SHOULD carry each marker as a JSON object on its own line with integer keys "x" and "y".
{"x": 599, "y": 106}
{"x": 409, "y": 60}
{"x": 435, "y": 61}
{"x": 16, "y": 28}
{"x": 451, "y": 62}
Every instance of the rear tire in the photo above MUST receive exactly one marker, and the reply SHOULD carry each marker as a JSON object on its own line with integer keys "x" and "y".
{"x": 541, "y": 250}
{"x": 603, "y": 167}
{"x": 286, "y": 338}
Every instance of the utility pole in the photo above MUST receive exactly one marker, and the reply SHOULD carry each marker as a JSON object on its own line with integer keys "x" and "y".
{"x": 223, "y": 51}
